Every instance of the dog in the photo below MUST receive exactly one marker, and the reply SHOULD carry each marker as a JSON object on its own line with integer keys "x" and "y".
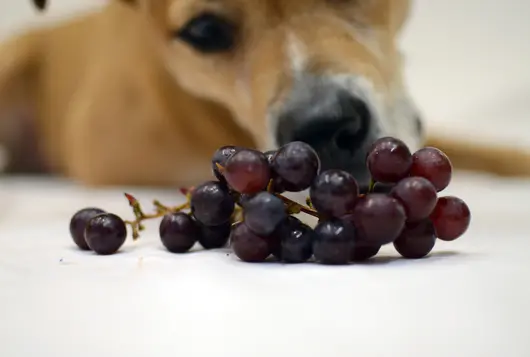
{"x": 142, "y": 92}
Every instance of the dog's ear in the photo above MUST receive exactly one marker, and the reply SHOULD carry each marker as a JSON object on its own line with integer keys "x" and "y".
{"x": 40, "y": 4}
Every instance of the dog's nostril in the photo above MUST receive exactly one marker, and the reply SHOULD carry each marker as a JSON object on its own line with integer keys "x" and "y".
{"x": 345, "y": 139}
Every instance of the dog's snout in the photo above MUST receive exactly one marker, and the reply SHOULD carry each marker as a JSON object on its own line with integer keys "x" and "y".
{"x": 338, "y": 128}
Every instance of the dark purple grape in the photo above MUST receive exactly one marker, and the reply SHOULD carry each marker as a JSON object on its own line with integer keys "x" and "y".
{"x": 416, "y": 240}
{"x": 263, "y": 213}
{"x": 220, "y": 157}
{"x": 362, "y": 251}
{"x": 214, "y": 237}
{"x": 178, "y": 232}
{"x": 276, "y": 181}
{"x": 333, "y": 242}
{"x": 334, "y": 193}
{"x": 212, "y": 204}
{"x": 105, "y": 233}
{"x": 432, "y": 164}
{"x": 389, "y": 160}
{"x": 297, "y": 165}
{"x": 451, "y": 218}
{"x": 248, "y": 246}
{"x": 417, "y": 195}
{"x": 78, "y": 224}
{"x": 378, "y": 219}
{"x": 295, "y": 241}
{"x": 247, "y": 171}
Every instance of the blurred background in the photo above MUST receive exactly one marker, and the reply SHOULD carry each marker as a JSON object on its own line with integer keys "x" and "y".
{"x": 467, "y": 61}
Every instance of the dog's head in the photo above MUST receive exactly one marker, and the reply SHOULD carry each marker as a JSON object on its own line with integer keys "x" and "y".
{"x": 327, "y": 72}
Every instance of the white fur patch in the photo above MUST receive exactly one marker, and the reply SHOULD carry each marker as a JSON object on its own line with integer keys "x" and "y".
{"x": 296, "y": 55}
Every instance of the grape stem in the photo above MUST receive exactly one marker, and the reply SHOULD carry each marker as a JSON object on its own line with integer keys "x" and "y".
{"x": 295, "y": 207}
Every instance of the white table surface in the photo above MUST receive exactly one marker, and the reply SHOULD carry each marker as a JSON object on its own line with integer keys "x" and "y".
{"x": 470, "y": 298}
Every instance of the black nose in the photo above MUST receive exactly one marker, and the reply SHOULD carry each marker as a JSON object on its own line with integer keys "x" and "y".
{"x": 338, "y": 129}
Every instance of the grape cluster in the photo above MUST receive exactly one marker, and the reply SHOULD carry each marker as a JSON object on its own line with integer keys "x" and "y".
{"x": 244, "y": 207}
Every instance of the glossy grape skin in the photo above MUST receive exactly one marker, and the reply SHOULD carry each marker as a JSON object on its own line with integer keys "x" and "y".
{"x": 263, "y": 213}
{"x": 296, "y": 164}
{"x": 417, "y": 195}
{"x": 295, "y": 241}
{"x": 212, "y": 204}
{"x": 248, "y": 246}
{"x": 334, "y": 193}
{"x": 378, "y": 219}
{"x": 334, "y": 239}
{"x": 389, "y": 160}
{"x": 214, "y": 237}
{"x": 78, "y": 224}
{"x": 276, "y": 181}
{"x": 178, "y": 232}
{"x": 220, "y": 157}
{"x": 417, "y": 240}
{"x": 432, "y": 164}
{"x": 105, "y": 233}
{"x": 362, "y": 251}
{"x": 451, "y": 218}
{"x": 247, "y": 171}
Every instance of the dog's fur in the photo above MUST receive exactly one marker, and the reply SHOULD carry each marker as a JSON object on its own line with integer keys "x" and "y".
{"x": 112, "y": 98}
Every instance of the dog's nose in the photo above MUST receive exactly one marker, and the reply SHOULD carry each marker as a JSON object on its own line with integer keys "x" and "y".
{"x": 338, "y": 128}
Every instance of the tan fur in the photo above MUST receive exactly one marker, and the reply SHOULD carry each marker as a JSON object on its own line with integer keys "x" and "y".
{"x": 115, "y": 102}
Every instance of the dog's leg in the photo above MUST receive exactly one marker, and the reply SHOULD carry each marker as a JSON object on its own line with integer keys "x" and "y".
{"x": 507, "y": 161}
{"x": 19, "y": 62}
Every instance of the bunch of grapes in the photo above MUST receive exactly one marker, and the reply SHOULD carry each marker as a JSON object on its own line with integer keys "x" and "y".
{"x": 244, "y": 207}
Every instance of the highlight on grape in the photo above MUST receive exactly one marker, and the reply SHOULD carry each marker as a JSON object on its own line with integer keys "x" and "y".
{"x": 245, "y": 209}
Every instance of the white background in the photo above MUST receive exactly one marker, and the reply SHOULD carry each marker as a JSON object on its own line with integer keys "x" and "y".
{"x": 468, "y": 67}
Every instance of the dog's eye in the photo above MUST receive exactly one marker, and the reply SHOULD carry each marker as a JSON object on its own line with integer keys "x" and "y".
{"x": 208, "y": 33}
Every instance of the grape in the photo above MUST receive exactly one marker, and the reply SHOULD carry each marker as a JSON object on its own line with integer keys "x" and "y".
{"x": 334, "y": 193}
{"x": 433, "y": 165}
{"x": 263, "y": 213}
{"x": 295, "y": 241}
{"x": 178, "y": 232}
{"x": 105, "y": 233}
{"x": 389, "y": 160}
{"x": 247, "y": 171}
{"x": 378, "y": 219}
{"x": 297, "y": 165}
{"x": 451, "y": 218}
{"x": 78, "y": 224}
{"x": 248, "y": 246}
{"x": 417, "y": 195}
{"x": 220, "y": 157}
{"x": 417, "y": 239}
{"x": 334, "y": 240}
{"x": 362, "y": 251}
{"x": 214, "y": 237}
{"x": 212, "y": 204}
{"x": 276, "y": 181}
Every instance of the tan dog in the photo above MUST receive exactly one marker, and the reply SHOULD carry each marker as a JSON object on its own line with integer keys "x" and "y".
{"x": 143, "y": 92}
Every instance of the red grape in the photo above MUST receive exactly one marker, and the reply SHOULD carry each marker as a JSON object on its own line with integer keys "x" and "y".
{"x": 276, "y": 180}
{"x": 248, "y": 246}
{"x": 389, "y": 160}
{"x": 417, "y": 239}
{"x": 334, "y": 193}
{"x": 247, "y": 171}
{"x": 78, "y": 224}
{"x": 451, "y": 218}
{"x": 295, "y": 241}
{"x": 362, "y": 251}
{"x": 333, "y": 242}
{"x": 434, "y": 165}
{"x": 297, "y": 165}
{"x": 105, "y": 233}
{"x": 417, "y": 195}
{"x": 178, "y": 232}
{"x": 263, "y": 213}
{"x": 211, "y": 203}
{"x": 220, "y": 157}
{"x": 378, "y": 219}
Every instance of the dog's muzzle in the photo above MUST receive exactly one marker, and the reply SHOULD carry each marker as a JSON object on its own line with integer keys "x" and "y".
{"x": 338, "y": 124}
